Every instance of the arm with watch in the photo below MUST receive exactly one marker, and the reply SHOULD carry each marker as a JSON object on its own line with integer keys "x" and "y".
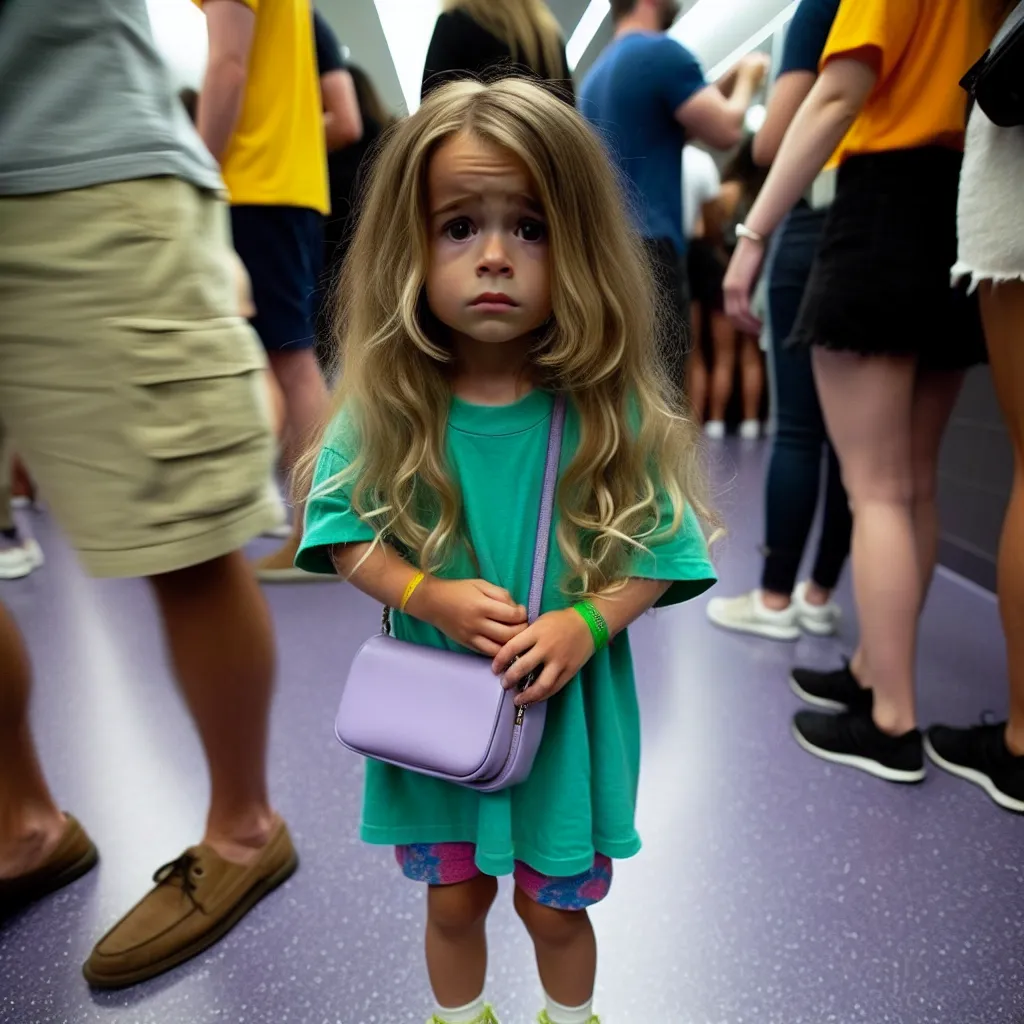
{"x": 820, "y": 125}
{"x": 484, "y": 618}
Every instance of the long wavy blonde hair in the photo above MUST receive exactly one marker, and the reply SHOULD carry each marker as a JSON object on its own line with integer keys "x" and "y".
{"x": 527, "y": 27}
{"x": 599, "y": 348}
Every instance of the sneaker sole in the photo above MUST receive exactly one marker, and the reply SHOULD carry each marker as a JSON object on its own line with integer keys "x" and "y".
{"x": 281, "y": 532}
{"x": 763, "y": 630}
{"x": 818, "y": 628}
{"x": 204, "y": 942}
{"x": 978, "y": 778}
{"x": 816, "y": 702}
{"x": 864, "y": 764}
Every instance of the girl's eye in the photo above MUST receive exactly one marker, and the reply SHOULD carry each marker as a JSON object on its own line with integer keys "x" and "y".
{"x": 459, "y": 230}
{"x": 531, "y": 230}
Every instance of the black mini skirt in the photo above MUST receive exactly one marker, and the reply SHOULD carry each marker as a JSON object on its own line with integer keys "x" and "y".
{"x": 881, "y": 282}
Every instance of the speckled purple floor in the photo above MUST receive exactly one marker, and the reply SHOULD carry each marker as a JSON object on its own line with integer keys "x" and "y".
{"x": 773, "y": 889}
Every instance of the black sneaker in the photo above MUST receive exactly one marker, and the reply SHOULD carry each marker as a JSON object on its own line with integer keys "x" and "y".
{"x": 981, "y": 756}
{"x": 834, "y": 691}
{"x": 854, "y": 740}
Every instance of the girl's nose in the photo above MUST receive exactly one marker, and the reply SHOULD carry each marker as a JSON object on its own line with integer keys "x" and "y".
{"x": 494, "y": 259}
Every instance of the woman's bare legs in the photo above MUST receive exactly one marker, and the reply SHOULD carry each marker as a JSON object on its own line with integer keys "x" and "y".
{"x": 696, "y": 368}
{"x": 868, "y": 405}
{"x": 935, "y": 396}
{"x": 723, "y": 371}
{"x": 1002, "y": 307}
{"x": 751, "y": 376}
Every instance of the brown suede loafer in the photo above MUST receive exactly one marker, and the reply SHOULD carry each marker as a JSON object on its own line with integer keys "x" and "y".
{"x": 72, "y": 857}
{"x": 197, "y": 900}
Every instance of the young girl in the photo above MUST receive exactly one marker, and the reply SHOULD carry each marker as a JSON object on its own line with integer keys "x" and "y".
{"x": 493, "y": 269}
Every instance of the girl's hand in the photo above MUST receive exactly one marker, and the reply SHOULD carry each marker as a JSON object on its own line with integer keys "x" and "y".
{"x": 559, "y": 644}
{"x": 473, "y": 613}
{"x": 739, "y": 283}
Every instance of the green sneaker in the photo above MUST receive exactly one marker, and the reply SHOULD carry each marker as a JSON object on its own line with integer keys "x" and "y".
{"x": 545, "y": 1019}
{"x": 487, "y": 1017}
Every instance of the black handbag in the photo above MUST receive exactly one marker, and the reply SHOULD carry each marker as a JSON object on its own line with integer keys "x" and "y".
{"x": 996, "y": 82}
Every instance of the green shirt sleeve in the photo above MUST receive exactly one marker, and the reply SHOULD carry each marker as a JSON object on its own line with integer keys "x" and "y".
{"x": 330, "y": 519}
{"x": 683, "y": 559}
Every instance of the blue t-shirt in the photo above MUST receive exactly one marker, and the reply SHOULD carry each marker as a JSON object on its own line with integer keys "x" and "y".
{"x": 808, "y": 33}
{"x": 630, "y": 96}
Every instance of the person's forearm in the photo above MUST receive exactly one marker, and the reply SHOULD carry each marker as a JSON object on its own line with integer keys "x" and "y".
{"x": 381, "y": 573}
{"x": 815, "y": 133}
{"x": 742, "y": 93}
{"x": 623, "y": 607}
{"x": 220, "y": 104}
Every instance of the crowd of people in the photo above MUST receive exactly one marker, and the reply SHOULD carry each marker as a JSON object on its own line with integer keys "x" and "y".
{"x": 275, "y": 282}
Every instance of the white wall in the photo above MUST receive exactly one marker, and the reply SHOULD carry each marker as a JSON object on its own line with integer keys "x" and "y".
{"x": 715, "y": 29}
{"x": 179, "y": 31}
{"x": 358, "y": 27}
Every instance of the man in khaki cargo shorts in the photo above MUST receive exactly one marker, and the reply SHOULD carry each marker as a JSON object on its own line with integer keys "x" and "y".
{"x": 134, "y": 393}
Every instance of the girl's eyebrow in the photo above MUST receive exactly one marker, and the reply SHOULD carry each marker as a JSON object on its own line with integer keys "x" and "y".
{"x": 452, "y": 204}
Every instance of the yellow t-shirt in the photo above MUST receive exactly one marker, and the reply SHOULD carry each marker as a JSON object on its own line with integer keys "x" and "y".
{"x": 921, "y": 49}
{"x": 278, "y": 155}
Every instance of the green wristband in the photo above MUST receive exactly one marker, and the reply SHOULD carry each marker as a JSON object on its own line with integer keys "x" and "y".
{"x": 595, "y": 623}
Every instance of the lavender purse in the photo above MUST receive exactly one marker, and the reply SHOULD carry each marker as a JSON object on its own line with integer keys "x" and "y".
{"x": 442, "y": 713}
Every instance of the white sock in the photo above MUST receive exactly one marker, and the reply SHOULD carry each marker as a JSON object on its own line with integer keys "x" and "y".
{"x": 559, "y": 1014}
{"x": 464, "y": 1014}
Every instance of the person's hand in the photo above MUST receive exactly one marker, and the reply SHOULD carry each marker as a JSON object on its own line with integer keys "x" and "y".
{"x": 756, "y": 67}
{"x": 473, "y": 613}
{"x": 557, "y": 645}
{"x": 739, "y": 283}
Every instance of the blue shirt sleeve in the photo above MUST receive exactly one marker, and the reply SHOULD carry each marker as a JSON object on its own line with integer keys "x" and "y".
{"x": 677, "y": 71}
{"x": 808, "y": 34}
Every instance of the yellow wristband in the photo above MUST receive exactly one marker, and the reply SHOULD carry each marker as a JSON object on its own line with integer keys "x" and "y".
{"x": 411, "y": 589}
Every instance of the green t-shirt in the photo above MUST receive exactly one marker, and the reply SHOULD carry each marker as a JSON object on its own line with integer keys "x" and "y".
{"x": 580, "y": 797}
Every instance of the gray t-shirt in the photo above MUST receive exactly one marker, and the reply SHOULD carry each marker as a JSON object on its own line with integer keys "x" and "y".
{"x": 85, "y": 100}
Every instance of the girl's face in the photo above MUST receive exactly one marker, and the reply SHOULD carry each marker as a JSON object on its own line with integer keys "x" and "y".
{"x": 489, "y": 278}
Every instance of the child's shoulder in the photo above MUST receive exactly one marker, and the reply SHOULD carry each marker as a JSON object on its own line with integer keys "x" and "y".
{"x": 341, "y": 438}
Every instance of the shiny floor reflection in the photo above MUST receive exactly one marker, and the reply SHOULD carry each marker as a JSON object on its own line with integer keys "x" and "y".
{"x": 773, "y": 889}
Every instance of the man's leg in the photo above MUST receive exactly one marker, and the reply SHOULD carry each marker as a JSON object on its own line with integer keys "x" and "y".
{"x": 139, "y": 403}
{"x": 30, "y": 822}
{"x": 221, "y": 645}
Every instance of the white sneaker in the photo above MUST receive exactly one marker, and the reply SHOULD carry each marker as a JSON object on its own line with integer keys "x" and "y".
{"x": 749, "y": 614}
{"x": 19, "y": 557}
{"x": 819, "y": 619}
{"x": 283, "y": 529}
{"x": 714, "y": 429}
{"x": 750, "y": 430}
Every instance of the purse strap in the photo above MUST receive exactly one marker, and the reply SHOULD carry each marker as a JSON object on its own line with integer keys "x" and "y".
{"x": 547, "y": 509}
{"x": 544, "y": 519}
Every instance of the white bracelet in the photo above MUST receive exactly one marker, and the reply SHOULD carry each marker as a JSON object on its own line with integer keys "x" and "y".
{"x": 742, "y": 231}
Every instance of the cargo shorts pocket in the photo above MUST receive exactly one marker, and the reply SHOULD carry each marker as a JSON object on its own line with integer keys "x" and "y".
{"x": 199, "y": 416}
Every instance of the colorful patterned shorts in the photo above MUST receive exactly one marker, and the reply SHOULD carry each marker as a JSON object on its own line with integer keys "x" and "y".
{"x": 453, "y": 863}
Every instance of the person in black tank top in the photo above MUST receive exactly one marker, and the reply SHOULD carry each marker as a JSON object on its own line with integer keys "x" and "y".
{"x": 486, "y": 41}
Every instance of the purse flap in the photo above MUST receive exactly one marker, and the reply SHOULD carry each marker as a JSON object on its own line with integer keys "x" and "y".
{"x": 433, "y": 710}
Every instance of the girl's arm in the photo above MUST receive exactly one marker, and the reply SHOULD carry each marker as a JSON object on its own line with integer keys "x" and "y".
{"x": 820, "y": 125}
{"x": 560, "y": 643}
{"x": 473, "y": 613}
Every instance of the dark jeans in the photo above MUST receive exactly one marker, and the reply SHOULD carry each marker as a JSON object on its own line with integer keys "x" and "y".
{"x": 794, "y": 473}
